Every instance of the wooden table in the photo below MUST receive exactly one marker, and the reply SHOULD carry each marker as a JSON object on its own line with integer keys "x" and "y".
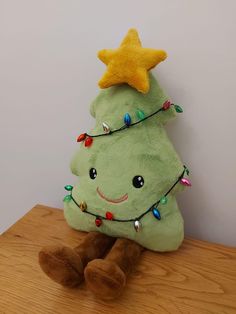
{"x": 199, "y": 278}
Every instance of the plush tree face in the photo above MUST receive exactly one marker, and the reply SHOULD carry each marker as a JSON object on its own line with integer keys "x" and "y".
{"x": 126, "y": 172}
{"x": 123, "y": 177}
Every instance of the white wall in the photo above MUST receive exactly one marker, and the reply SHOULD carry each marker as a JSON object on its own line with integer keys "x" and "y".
{"x": 49, "y": 73}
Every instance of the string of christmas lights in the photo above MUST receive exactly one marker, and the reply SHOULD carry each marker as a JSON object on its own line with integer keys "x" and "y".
{"x": 136, "y": 221}
{"x": 88, "y": 138}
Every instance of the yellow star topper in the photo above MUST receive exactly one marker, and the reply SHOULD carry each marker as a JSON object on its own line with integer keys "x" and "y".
{"x": 129, "y": 63}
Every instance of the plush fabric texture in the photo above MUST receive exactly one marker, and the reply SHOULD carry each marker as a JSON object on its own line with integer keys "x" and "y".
{"x": 129, "y": 63}
{"x": 66, "y": 265}
{"x": 106, "y": 278}
{"x": 142, "y": 150}
{"x": 62, "y": 265}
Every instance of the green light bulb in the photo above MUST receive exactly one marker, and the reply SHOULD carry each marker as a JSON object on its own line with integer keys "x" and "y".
{"x": 163, "y": 200}
{"x": 68, "y": 187}
{"x": 67, "y": 198}
{"x": 178, "y": 109}
{"x": 140, "y": 114}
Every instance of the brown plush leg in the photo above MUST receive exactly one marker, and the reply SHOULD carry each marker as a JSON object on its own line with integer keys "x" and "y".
{"x": 107, "y": 278}
{"x": 66, "y": 265}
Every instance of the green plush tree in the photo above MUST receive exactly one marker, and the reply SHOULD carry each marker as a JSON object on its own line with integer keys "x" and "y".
{"x": 128, "y": 171}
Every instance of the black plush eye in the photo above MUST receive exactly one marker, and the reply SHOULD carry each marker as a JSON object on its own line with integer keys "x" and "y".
{"x": 138, "y": 182}
{"x": 93, "y": 173}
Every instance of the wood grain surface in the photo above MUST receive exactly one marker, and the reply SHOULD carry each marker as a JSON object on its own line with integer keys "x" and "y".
{"x": 199, "y": 278}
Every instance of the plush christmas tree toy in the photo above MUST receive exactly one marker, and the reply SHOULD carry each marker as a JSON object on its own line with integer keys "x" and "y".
{"x": 128, "y": 174}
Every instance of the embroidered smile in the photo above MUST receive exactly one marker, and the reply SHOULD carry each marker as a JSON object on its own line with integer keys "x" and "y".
{"x": 112, "y": 200}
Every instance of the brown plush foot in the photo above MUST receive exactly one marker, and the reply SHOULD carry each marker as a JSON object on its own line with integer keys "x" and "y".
{"x": 66, "y": 265}
{"x": 62, "y": 265}
{"x": 107, "y": 278}
{"x": 104, "y": 278}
